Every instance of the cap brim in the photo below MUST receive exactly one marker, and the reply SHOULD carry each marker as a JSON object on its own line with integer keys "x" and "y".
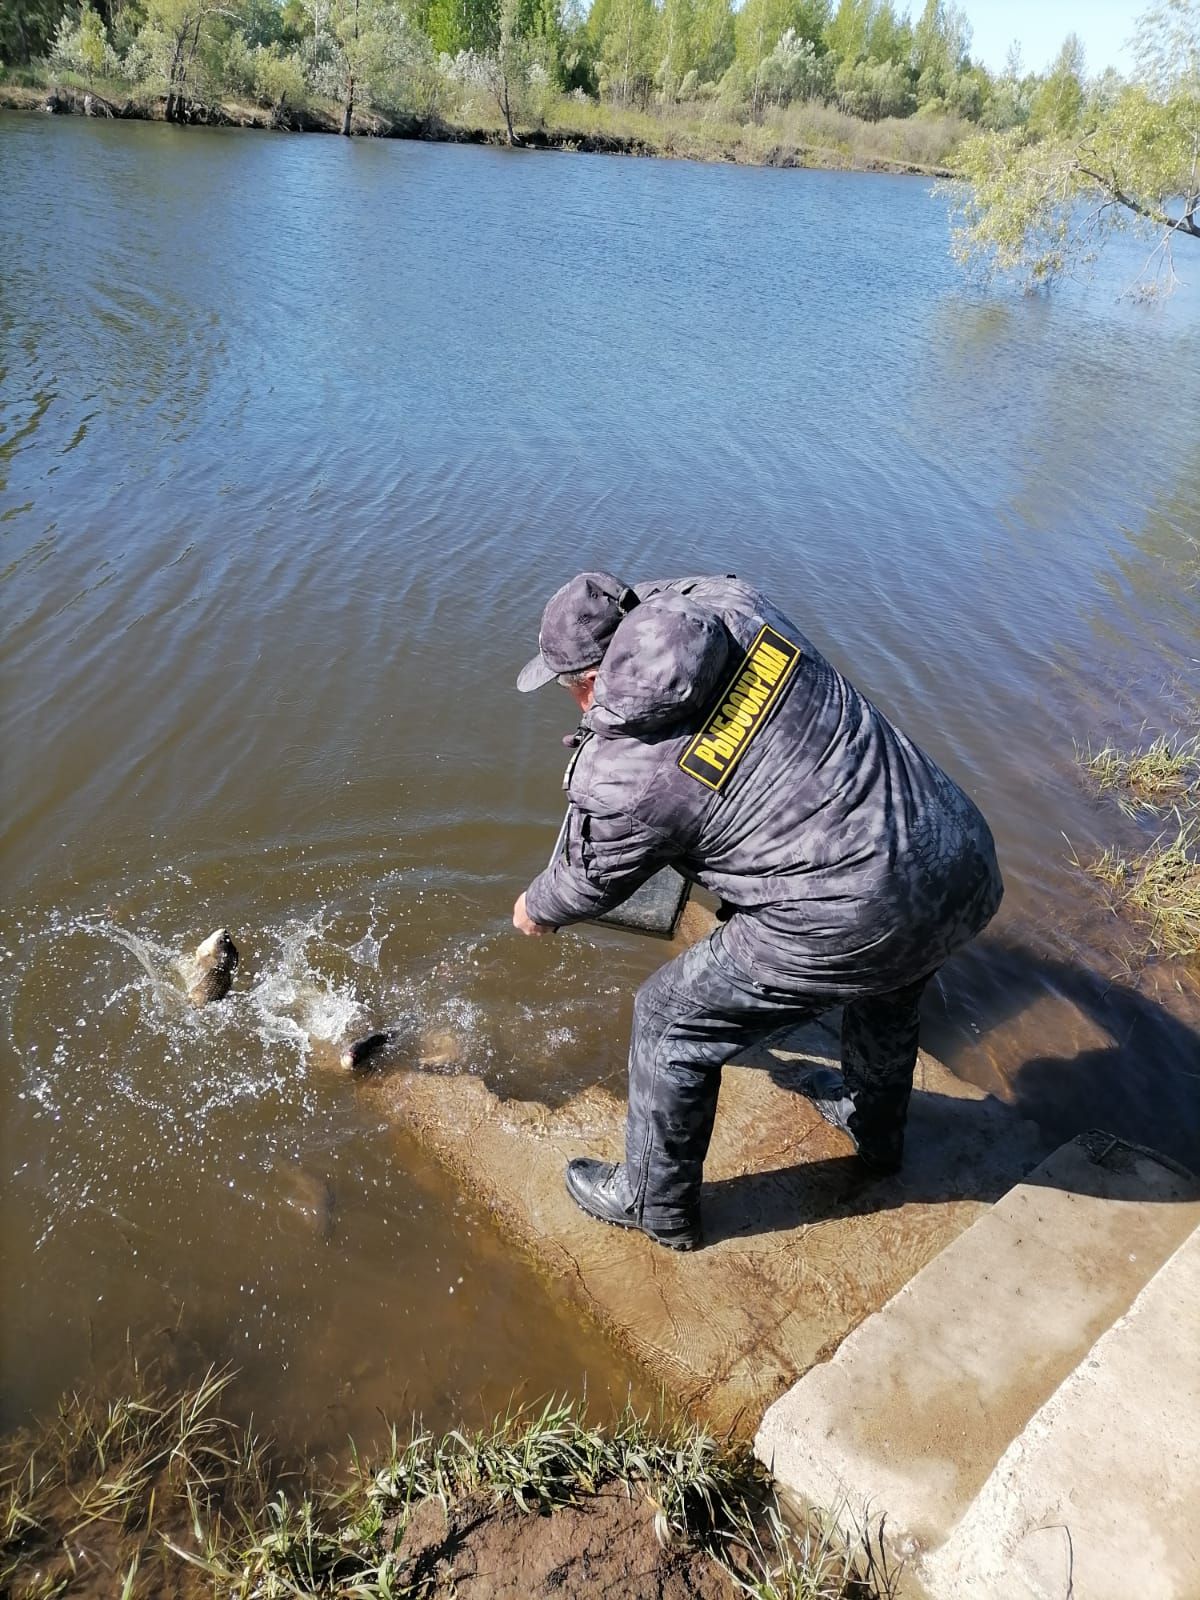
{"x": 534, "y": 674}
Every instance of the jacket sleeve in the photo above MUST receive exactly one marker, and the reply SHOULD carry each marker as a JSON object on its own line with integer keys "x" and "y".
{"x": 605, "y": 856}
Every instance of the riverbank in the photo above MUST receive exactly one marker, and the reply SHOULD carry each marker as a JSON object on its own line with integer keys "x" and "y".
{"x": 149, "y": 1490}
{"x": 611, "y": 133}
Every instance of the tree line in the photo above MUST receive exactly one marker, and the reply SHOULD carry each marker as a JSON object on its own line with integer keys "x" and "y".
{"x": 867, "y": 58}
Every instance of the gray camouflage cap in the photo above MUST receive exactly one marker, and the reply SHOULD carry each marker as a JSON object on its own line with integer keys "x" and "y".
{"x": 577, "y": 624}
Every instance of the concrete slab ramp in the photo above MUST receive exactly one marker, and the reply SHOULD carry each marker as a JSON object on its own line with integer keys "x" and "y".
{"x": 802, "y": 1245}
{"x": 1026, "y": 1410}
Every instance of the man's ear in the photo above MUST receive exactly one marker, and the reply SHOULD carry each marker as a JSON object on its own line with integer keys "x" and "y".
{"x": 593, "y": 674}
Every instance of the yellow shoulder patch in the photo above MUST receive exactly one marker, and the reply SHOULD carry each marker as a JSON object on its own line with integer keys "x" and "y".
{"x": 741, "y": 710}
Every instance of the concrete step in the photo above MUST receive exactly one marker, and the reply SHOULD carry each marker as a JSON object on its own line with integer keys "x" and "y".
{"x": 920, "y": 1403}
{"x": 1099, "y": 1496}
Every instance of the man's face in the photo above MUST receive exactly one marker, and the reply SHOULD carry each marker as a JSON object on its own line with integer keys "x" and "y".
{"x": 584, "y": 693}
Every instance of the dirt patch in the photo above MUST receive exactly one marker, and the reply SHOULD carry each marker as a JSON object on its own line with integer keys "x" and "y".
{"x": 603, "y": 1546}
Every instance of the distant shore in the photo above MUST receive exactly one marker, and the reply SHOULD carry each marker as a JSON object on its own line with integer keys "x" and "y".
{"x": 70, "y": 100}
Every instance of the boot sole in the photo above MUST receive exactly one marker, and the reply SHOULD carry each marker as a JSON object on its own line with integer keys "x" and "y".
{"x": 635, "y": 1227}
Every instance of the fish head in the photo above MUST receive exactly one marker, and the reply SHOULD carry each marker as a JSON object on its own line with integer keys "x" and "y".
{"x": 218, "y": 950}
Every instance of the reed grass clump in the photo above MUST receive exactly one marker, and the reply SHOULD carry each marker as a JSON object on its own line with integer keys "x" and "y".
{"x": 1160, "y": 888}
{"x": 1157, "y": 887}
{"x": 116, "y": 1481}
{"x": 155, "y": 1492}
{"x": 1164, "y": 775}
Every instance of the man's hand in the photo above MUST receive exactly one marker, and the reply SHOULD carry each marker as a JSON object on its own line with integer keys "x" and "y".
{"x": 524, "y": 923}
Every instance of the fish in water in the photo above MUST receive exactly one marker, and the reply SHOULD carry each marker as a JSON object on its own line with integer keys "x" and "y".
{"x": 212, "y": 968}
{"x": 312, "y": 1197}
{"x": 431, "y": 1049}
{"x": 361, "y": 1053}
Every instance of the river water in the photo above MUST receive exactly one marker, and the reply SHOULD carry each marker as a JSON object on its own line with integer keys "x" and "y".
{"x": 296, "y": 435}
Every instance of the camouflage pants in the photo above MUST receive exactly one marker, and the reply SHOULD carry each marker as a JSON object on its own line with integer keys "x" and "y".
{"x": 695, "y": 1013}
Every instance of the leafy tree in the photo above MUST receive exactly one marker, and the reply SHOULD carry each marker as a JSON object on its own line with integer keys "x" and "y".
{"x": 874, "y": 89}
{"x": 260, "y": 22}
{"x": 295, "y": 21}
{"x": 542, "y": 22}
{"x": 1058, "y": 103}
{"x": 795, "y": 71}
{"x": 1039, "y": 206}
{"x": 360, "y": 53}
{"x": 269, "y": 74}
{"x": 847, "y": 31}
{"x": 967, "y": 92}
{"x": 733, "y": 91}
{"x": 626, "y": 33}
{"x": 454, "y": 25}
{"x": 941, "y": 38}
{"x": 940, "y": 52}
{"x": 712, "y": 40}
{"x": 122, "y": 18}
{"x": 759, "y": 26}
{"x": 1010, "y": 96}
{"x": 27, "y": 28}
{"x": 509, "y": 67}
{"x": 889, "y": 37}
{"x": 83, "y": 46}
{"x": 578, "y": 62}
{"x": 678, "y": 24}
{"x": 179, "y": 51}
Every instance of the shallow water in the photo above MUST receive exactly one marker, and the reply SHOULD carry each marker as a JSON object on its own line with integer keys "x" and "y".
{"x": 295, "y": 437}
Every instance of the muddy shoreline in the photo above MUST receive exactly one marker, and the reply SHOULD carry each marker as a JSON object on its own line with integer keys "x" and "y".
{"x": 147, "y": 1487}
{"x": 68, "y": 101}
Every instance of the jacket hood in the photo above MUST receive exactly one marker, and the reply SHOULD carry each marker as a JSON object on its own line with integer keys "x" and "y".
{"x": 661, "y": 667}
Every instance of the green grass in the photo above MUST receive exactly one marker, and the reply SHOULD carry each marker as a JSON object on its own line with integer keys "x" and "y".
{"x": 121, "y": 1477}
{"x": 1158, "y": 778}
{"x": 155, "y": 1489}
{"x": 1159, "y": 888}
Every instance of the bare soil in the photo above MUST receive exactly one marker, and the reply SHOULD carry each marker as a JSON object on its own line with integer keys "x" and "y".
{"x": 602, "y": 1546}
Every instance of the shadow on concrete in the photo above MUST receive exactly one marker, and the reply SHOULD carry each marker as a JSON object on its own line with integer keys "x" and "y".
{"x": 957, "y": 1149}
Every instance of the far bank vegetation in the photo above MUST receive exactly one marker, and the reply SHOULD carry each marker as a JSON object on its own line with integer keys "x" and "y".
{"x": 863, "y": 81}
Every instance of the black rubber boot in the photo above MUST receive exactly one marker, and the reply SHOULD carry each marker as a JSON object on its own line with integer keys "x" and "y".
{"x": 601, "y": 1188}
{"x": 882, "y": 1150}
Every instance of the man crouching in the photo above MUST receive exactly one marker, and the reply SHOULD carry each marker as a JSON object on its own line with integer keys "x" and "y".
{"x": 848, "y": 866}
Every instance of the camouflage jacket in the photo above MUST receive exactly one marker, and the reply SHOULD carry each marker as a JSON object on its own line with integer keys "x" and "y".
{"x": 722, "y": 741}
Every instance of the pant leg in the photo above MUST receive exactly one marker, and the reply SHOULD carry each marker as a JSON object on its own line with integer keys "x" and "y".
{"x": 689, "y": 1018}
{"x": 879, "y": 1055}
